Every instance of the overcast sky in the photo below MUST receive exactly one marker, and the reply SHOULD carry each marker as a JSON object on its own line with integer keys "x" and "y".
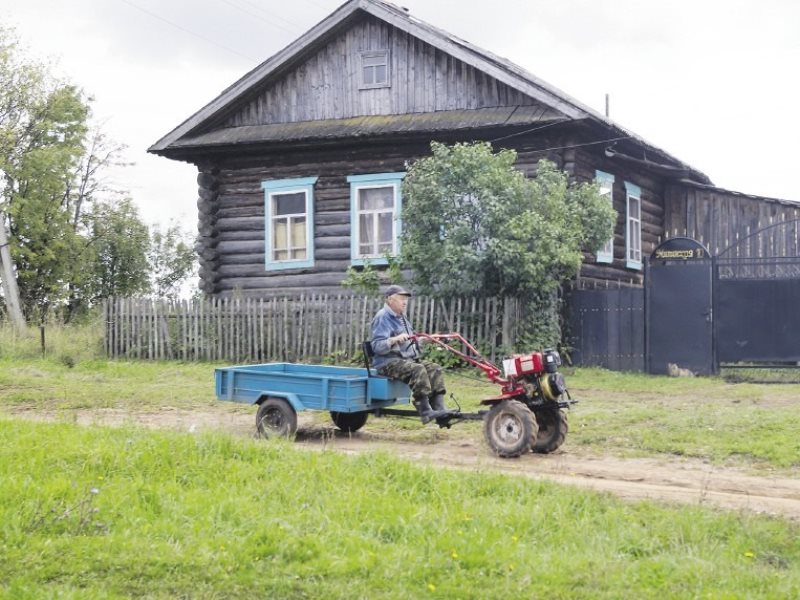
{"x": 713, "y": 83}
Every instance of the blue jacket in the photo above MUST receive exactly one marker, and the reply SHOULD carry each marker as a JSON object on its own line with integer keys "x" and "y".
{"x": 387, "y": 324}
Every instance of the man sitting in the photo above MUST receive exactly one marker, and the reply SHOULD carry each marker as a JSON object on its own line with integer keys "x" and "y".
{"x": 396, "y": 356}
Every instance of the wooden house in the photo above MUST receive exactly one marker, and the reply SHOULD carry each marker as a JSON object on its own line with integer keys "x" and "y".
{"x": 300, "y": 161}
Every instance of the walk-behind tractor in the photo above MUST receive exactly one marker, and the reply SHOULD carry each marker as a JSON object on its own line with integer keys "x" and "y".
{"x": 528, "y": 414}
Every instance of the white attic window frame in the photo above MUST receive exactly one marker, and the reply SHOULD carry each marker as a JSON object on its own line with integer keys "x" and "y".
{"x": 374, "y": 70}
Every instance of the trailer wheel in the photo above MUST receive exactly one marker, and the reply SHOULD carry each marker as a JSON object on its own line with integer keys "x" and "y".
{"x": 553, "y": 428}
{"x": 510, "y": 429}
{"x": 349, "y": 422}
{"x": 276, "y": 417}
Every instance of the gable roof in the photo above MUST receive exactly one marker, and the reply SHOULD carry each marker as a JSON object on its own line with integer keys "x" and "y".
{"x": 193, "y": 132}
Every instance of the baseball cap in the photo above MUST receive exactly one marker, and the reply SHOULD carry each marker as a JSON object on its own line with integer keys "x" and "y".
{"x": 396, "y": 289}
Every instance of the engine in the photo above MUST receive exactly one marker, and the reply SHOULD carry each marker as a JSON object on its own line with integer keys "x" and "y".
{"x": 538, "y": 373}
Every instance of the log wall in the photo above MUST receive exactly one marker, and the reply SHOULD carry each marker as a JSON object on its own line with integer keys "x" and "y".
{"x": 231, "y": 211}
{"x": 583, "y": 165}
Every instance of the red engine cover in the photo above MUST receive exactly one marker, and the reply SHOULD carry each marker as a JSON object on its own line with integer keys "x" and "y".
{"x": 532, "y": 363}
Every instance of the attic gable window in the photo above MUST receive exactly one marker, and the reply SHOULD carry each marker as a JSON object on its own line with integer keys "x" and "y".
{"x": 606, "y": 183}
{"x": 375, "y": 204}
{"x": 289, "y": 223}
{"x": 374, "y": 69}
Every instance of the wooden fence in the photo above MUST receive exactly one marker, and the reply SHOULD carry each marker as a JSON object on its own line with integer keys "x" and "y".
{"x": 308, "y": 328}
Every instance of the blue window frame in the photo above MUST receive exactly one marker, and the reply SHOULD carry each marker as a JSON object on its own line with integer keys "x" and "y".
{"x": 606, "y": 183}
{"x": 375, "y": 225}
{"x": 289, "y": 223}
{"x": 633, "y": 228}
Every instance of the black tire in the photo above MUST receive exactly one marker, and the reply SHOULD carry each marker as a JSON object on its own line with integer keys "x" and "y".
{"x": 276, "y": 418}
{"x": 553, "y": 428}
{"x": 510, "y": 429}
{"x": 349, "y": 422}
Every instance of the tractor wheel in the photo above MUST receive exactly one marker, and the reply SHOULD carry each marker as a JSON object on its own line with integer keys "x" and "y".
{"x": 349, "y": 422}
{"x": 510, "y": 429}
{"x": 276, "y": 418}
{"x": 553, "y": 428}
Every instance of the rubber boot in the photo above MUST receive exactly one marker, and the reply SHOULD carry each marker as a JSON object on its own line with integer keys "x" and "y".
{"x": 439, "y": 413}
{"x": 437, "y": 403}
{"x": 424, "y": 409}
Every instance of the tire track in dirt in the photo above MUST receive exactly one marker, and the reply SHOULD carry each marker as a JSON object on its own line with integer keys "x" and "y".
{"x": 659, "y": 479}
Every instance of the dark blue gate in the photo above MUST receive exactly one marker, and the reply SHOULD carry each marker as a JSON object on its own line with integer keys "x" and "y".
{"x": 757, "y": 298}
{"x": 678, "y": 316}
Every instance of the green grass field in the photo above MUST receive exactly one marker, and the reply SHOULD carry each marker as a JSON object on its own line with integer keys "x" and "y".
{"x": 122, "y": 513}
{"x": 102, "y": 512}
{"x": 748, "y": 425}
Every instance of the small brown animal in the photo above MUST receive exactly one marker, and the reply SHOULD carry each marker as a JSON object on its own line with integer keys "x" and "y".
{"x": 674, "y": 370}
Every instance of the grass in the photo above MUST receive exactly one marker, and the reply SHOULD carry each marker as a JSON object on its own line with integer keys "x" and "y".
{"x": 745, "y": 424}
{"x": 118, "y": 513}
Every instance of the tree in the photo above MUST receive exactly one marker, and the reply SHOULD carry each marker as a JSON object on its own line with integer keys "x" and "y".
{"x": 475, "y": 225}
{"x": 171, "y": 260}
{"x": 42, "y": 128}
{"x": 116, "y": 258}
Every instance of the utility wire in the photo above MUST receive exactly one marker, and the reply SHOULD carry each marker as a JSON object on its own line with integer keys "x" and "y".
{"x": 616, "y": 139}
{"x": 280, "y": 18}
{"x": 537, "y": 128}
{"x": 259, "y": 17}
{"x": 185, "y": 30}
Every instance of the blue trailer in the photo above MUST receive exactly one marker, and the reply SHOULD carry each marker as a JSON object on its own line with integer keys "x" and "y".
{"x": 281, "y": 390}
{"x": 527, "y": 415}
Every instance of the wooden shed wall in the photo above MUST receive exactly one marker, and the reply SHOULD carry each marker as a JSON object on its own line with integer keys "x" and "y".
{"x": 720, "y": 219}
{"x": 423, "y": 79}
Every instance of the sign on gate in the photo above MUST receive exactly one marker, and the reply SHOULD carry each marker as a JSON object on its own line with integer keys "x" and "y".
{"x": 678, "y": 315}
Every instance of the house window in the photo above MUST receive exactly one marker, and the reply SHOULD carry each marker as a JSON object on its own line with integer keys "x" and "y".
{"x": 633, "y": 235}
{"x": 289, "y": 223}
{"x": 375, "y": 204}
{"x": 606, "y": 183}
{"x": 374, "y": 69}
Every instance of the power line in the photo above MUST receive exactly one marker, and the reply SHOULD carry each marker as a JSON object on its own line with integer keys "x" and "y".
{"x": 259, "y": 17}
{"x": 531, "y": 130}
{"x": 280, "y": 18}
{"x": 616, "y": 139}
{"x": 185, "y": 30}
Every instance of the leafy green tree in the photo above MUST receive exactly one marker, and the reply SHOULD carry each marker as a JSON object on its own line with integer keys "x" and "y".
{"x": 42, "y": 129}
{"x": 475, "y": 225}
{"x": 171, "y": 260}
{"x": 117, "y": 256}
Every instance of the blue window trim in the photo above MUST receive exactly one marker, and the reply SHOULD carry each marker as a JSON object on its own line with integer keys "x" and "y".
{"x": 283, "y": 186}
{"x": 374, "y": 180}
{"x": 632, "y": 191}
{"x": 602, "y": 177}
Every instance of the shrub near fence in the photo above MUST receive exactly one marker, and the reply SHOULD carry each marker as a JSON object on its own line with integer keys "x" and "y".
{"x": 308, "y": 328}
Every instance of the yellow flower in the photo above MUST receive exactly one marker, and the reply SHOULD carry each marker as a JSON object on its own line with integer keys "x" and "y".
{"x": 431, "y": 587}
{"x": 510, "y": 567}
{"x": 100, "y": 477}
{"x": 749, "y": 554}
{"x": 514, "y": 538}
{"x": 454, "y": 554}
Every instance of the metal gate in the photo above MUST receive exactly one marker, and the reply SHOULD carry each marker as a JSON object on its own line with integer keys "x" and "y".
{"x": 756, "y": 298}
{"x": 678, "y": 303}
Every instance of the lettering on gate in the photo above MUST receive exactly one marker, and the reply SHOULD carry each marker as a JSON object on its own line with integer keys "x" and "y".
{"x": 680, "y": 248}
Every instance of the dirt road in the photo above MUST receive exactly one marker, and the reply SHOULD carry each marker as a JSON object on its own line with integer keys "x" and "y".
{"x": 659, "y": 479}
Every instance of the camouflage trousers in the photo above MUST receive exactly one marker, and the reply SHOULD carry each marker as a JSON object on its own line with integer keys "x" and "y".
{"x": 424, "y": 378}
